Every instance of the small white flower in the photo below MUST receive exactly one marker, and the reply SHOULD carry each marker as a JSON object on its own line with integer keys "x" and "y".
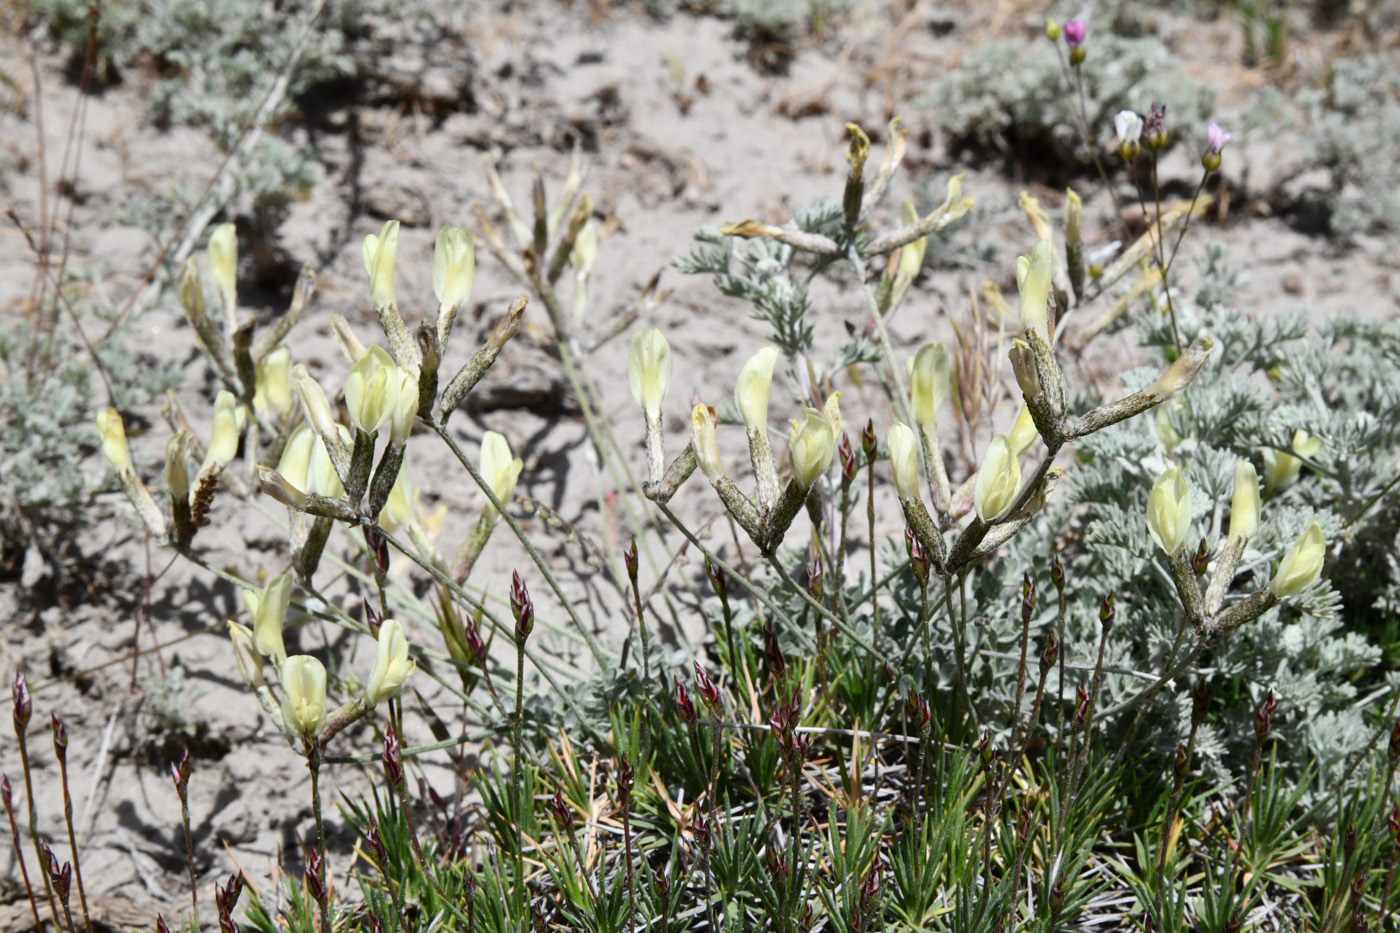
{"x": 1129, "y": 127}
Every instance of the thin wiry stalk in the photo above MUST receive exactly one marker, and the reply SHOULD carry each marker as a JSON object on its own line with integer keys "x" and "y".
{"x": 19, "y": 855}
{"x": 34, "y": 817}
{"x": 62, "y": 756}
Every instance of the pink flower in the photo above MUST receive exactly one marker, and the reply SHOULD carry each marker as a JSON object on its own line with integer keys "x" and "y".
{"x": 1216, "y": 138}
{"x": 1075, "y": 31}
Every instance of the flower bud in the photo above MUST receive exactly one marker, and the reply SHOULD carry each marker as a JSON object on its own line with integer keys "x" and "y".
{"x": 847, "y": 453}
{"x": 705, "y": 443}
{"x": 649, "y": 369}
{"x": 904, "y": 460}
{"x": 706, "y": 687}
{"x": 405, "y": 409}
{"x": 1075, "y": 30}
{"x": 1180, "y": 374}
{"x": 268, "y": 609}
{"x": 1302, "y": 565}
{"x": 114, "y": 450}
{"x": 1155, "y": 128}
{"x": 372, "y": 389}
{"x": 23, "y": 702}
{"x": 1023, "y": 367}
{"x": 1051, "y": 653}
{"x": 1023, "y": 432}
{"x": 391, "y": 666}
{"x": 392, "y": 757}
{"x": 313, "y": 399}
{"x": 222, "y": 257}
{"x": 1129, "y": 127}
{"x": 1281, "y": 469}
{"x": 1052, "y": 29}
{"x": 522, "y": 607}
{"x": 1264, "y": 716}
{"x": 230, "y": 417}
{"x": 1244, "y": 504}
{"x": 685, "y": 706}
{"x": 379, "y": 252}
{"x": 998, "y": 481}
{"x": 1216, "y": 138}
{"x": 274, "y": 383}
{"x": 752, "y": 390}
{"x": 499, "y": 469}
{"x": 1169, "y": 510}
{"x": 930, "y": 378}
{"x": 454, "y": 266}
{"x": 811, "y": 445}
{"x": 245, "y": 656}
{"x": 303, "y": 695}
{"x": 1033, "y": 274}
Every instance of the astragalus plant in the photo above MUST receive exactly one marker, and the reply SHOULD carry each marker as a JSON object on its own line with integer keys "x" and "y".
{"x": 1035, "y": 688}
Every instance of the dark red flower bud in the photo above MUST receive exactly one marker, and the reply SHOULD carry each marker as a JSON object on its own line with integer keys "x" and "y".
{"x": 706, "y": 688}
{"x": 918, "y": 560}
{"x": 471, "y": 632}
{"x": 522, "y": 607}
{"x": 702, "y": 832}
{"x": 868, "y": 441}
{"x": 560, "y": 812}
{"x": 180, "y": 773}
{"x": 1081, "y": 706}
{"x": 870, "y": 887}
{"x": 1183, "y": 762}
{"x": 378, "y": 549}
{"x": 777, "y": 666}
{"x": 661, "y": 886}
{"x": 24, "y": 704}
{"x": 1107, "y": 613}
{"x": 777, "y": 867}
{"x": 1027, "y": 599}
{"x": 393, "y": 757}
{"x": 625, "y": 779}
{"x": 1202, "y": 558}
{"x": 1349, "y": 841}
{"x": 376, "y": 844}
{"x": 1057, "y": 574}
{"x": 848, "y": 460}
{"x": 1264, "y": 716}
{"x": 373, "y": 620}
{"x": 685, "y": 707}
{"x": 1394, "y": 749}
{"x": 814, "y": 575}
{"x": 316, "y": 874}
{"x": 160, "y": 924}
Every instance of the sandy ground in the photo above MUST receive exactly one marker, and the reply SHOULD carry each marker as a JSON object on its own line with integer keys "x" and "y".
{"x": 678, "y": 128}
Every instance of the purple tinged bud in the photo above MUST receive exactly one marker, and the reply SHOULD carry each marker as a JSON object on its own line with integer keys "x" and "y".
{"x": 471, "y": 631}
{"x": 629, "y": 557}
{"x": 1202, "y": 558}
{"x": 1107, "y": 613}
{"x": 661, "y": 885}
{"x": 560, "y": 812}
{"x": 60, "y": 737}
{"x": 1057, "y": 574}
{"x": 848, "y": 460}
{"x": 625, "y": 779}
{"x": 777, "y": 665}
{"x": 161, "y": 925}
{"x": 706, "y": 688}
{"x": 393, "y": 757}
{"x": 373, "y": 620}
{"x": 376, "y": 844}
{"x": 1081, "y": 706}
{"x": 718, "y": 582}
{"x": 180, "y": 773}
{"x": 918, "y": 560}
{"x": 814, "y": 575}
{"x": 378, "y": 549}
{"x": 1264, "y": 716}
{"x": 685, "y": 707}
{"x": 1182, "y": 761}
{"x": 1027, "y": 599}
{"x": 24, "y": 705}
{"x": 867, "y": 441}
{"x": 1393, "y": 821}
{"x": 1216, "y": 138}
{"x": 522, "y": 607}
{"x": 1051, "y": 652}
{"x": 1074, "y": 31}
{"x": 316, "y": 874}
{"x": 1154, "y": 128}
{"x": 701, "y": 829}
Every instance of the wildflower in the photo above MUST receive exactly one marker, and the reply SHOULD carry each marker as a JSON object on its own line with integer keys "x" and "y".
{"x": 303, "y": 695}
{"x": 114, "y": 449}
{"x": 811, "y": 445}
{"x": 752, "y": 390}
{"x": 222, "y": 256}
{"x": 499, "y": 469}
{"x": 930, "y": 379}
{"x": 1302, "y": 565}
{"x": 649, "y": 369}
{"x": 1075, "y": 30}
{"x": 705, "y": 443}
{"x": 1244, "y": 504}
{"x": 273, "y": 394}
{"x": 391, "y": 666}
{"x": 372, "y": 390}
{"x": 904, "y": 460}
{"x": 379, "y": 252}
{"x": 230, "y": 417}
{"x": 1216, "y": 138}
{"x": 454, "y": 266}
{"x": 1282, "y": 468}
{"x": 1033, "y": 280}
{"x": 1052, "y": 29}
{"x": 1169, "y": 510}
{"x": 268, "y": 609}
{"x": 1155, "y": 128}
{"x": 1129, "y": 127}
{"x": 998, "y": 481}
{"x": 1023, "y": 432}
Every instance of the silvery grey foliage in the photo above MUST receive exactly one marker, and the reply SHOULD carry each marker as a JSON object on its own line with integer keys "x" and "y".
{"x": 988, "y": 103}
